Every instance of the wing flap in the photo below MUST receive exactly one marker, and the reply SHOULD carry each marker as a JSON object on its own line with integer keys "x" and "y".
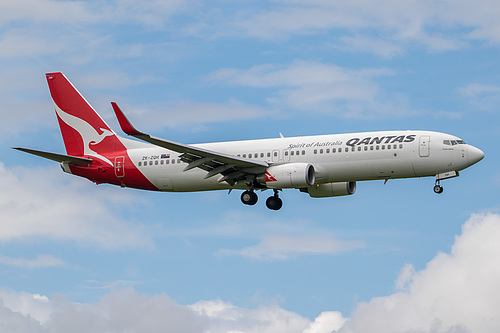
{"x": 57, "y": 157}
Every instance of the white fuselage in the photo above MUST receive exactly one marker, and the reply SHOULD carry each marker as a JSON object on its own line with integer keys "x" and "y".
{"x": 335, "y": 158}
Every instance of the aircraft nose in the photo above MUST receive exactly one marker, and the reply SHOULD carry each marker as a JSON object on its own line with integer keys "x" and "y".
{"x": 474, "y": 154}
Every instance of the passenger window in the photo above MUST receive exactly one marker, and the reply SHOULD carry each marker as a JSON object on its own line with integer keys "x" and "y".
{"x": 377, "y": 148}
{"x": 400, "y": 146}
{"x": 268, "y": 154}
{"x": 388, "y": 146}
{"x": 275, "y": 154}
{"x": 321, "y": 151}
{"x": 245, "y": 155}
{"x": 371, "y": 147}
{"x": 328, "y": 151}
{"x": 292, "y": 153}
{"x": 395, "y": 146}
{"x": 315, "y": 151}
{"x": 156, "y": 162}
{"x": 167, "y": 161}
{"x": 150, "y": 162}
{"x": 346, "y": 149}
{"x": 173, "y": 161}
{"x": 383, "y": 147}
{"x": 366, "y": 148}
{"x": 261, "y": 155}
{"x": 359, "y": 148}
{"x": 334, "y": 150}
{"x": 353, "y": 149}
{"x": 139, "y": 163}
{"x": 286, "y": 152}
{"x": 303, "y": 152}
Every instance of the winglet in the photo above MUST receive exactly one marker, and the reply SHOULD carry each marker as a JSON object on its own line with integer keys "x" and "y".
{"x": 124, "y": 122}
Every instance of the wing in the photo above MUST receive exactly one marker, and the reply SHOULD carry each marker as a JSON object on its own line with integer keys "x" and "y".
{"x": 232, "y": 168}
{"x": 57, "y": 157}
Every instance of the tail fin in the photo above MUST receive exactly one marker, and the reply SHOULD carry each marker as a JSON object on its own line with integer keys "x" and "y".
{"x": 84, "y": 132}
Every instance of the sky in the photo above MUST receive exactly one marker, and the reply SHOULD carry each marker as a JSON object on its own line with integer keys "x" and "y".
{"x": 79, "y": 257}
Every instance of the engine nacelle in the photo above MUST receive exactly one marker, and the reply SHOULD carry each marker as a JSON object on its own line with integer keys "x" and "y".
{"x": 292, "y": 175}
{"x": 332, "y": 189}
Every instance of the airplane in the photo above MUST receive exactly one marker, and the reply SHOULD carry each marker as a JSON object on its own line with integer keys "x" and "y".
{"x": 321, "y": 166}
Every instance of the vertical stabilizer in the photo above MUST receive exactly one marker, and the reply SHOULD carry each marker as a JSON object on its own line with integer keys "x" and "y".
{"x": 84, "y": 132}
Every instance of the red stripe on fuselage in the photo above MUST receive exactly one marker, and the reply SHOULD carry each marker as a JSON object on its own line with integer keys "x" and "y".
{"x": 101, "y": 172}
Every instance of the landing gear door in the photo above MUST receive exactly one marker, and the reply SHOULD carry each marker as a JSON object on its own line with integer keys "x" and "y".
{"x": 120, "y": 167}
{"x": 423, "y": 149}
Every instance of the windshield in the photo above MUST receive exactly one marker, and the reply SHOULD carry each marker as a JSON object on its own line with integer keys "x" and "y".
{"x": 453, "y": 142}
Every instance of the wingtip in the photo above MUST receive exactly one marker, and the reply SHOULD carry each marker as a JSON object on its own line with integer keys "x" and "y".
{"x": 124, "y": 122}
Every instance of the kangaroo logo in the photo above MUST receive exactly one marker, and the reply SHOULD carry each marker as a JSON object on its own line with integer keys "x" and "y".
{"x": 88, "y": 133}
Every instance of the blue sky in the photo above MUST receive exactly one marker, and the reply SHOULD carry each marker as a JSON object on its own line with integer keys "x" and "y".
{"x": 391, "y": 258}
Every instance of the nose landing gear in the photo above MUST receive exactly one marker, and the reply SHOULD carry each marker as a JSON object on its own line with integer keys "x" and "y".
{"x": 438, "y": 189}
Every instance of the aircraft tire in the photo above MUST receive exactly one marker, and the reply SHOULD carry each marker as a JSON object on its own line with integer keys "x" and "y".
{"x": 438, "y": 189}
{"x": 249, "y": 198}
{"x": 274, "y": 203}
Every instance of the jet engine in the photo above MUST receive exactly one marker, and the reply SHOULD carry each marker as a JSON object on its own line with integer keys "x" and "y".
{"x": 291, "y": 175}
{"x": 331, "y": 189}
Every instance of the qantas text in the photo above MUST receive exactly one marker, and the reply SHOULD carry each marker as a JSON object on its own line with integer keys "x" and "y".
{"x": 380, "y": 140}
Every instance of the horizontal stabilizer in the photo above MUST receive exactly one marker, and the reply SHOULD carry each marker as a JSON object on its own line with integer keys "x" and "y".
{"x": 57, "y": 157}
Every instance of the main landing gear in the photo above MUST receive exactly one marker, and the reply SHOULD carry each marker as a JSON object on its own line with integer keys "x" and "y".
{"x": 250, "y": 198}
{"x": 274, "y": 202}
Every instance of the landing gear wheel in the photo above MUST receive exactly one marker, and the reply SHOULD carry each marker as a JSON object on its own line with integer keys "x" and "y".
{"x": 249, "y": 198}
{"x": 274, "y": 203}
{"x": 438, "y": 189}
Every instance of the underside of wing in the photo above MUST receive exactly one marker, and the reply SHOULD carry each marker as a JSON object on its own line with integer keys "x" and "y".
{"x": 232, "y": 168}
{"x": 57, "y": 157}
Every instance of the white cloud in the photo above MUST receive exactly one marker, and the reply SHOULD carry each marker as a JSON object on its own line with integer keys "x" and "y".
{"x": 456, "y": 292}
{"x": 377, "y": 46}
{"x": 428, "y": 23}
{"x": 126, "y": 310}
{"x": 326, "y": 322}
{"x": 191, "y": 114}
{"x": 478, "y": 89}
{"x": 48, "y": 204}
{"x": 320, "y": 87}
{"x": 282, "y": 247}
{"x": 32, "y": 309}
{"x": 72, "y": 13}
{"x": 482, "y": 97}
{"x": 43, "y": 260}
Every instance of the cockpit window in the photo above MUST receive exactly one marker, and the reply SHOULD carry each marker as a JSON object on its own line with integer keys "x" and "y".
{"x": 453, "y": 142}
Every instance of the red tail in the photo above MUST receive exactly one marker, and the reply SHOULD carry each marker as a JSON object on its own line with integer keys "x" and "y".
{"x": 84, "y": 131}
